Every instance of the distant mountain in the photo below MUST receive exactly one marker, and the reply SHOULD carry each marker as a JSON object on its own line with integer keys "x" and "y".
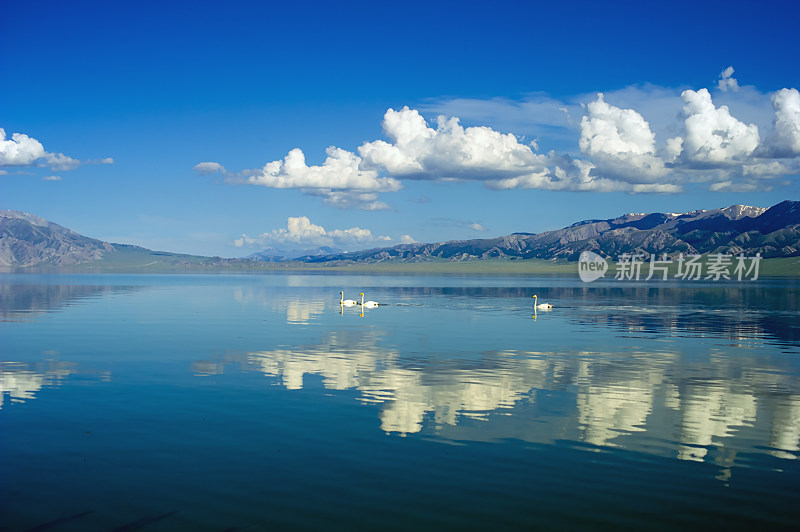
{"x": 29, "y": 241}
{"x": 773, "y": 232}
{"x": 275, "y": 254}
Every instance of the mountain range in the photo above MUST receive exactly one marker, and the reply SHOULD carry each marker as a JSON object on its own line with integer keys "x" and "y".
{"x": 773, "y": 232}
{"x": 280, "y": 254}
{"x": 27, "y": 241}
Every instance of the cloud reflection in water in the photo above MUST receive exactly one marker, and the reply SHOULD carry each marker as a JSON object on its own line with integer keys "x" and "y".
{"x": 639, "y": 401}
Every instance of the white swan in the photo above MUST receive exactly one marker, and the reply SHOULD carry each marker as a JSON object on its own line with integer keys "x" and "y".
{"x": 367, "y": 304}
{"x": 542, "y": 305}
{"x": 347, "y": 302}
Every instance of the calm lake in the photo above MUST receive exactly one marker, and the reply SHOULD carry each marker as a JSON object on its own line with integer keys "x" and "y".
{"x": 256, "y": 402}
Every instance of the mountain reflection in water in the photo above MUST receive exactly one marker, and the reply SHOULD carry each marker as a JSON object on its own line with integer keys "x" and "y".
{"x": 726, "y": 309}
{"x": 21, "y": 302}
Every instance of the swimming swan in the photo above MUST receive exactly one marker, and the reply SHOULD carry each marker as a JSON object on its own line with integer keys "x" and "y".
{"x": 542, "y": 305}
{"x": 347, "y": 302}
{"x": 367, "y": 304}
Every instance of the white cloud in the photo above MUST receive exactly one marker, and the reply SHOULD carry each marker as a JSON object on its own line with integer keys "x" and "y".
{"x": 640, "y": 139}
{"x": 730, "y": 186}
{"x": 353, "y": 235}
{"x": 106, "y": 160}
{"x": 716, "y": 145}
{"x": 785, "y": 138}
{"x": 52, "y": 178}
{"x": 208, "y": 168}
{"x": 340, "y": 180}
{"x": 769, "y": 169}
{"x": 449, "y": 151}
{"x": 712, "y": 136}
{"x": 59, "y": 161}
{"x": 407, "y": 239}
{"x": 726, "y": 81}
{"x": 656, "y": 188}
{"x": 500, "y": 161}
{"x": 345, "y": 199}
{"x": 620, "y": 143}
{"x": 340, "y": 171}
{"x": 301, "y": 233}
{"x": 22, "y": 150}
{"x": 562, "y": 172}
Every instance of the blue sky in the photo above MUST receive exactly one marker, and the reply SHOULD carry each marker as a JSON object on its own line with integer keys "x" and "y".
{"x": 226, "y": 128}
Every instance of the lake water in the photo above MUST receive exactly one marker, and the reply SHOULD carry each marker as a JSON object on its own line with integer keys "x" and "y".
{"x": 255, "y": 402}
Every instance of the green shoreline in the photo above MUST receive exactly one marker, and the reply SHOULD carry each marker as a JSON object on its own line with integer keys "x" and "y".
{"x": 173, "y": 263}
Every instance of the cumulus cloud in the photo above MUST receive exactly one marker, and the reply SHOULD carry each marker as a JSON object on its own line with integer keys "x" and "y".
{"x": 449, "y": 151}
{"x": 301, "y": 232}
{"x": 340, "y": 171}
{"x": 726, "y": 81}
{"x": 562, "y": 172}
{"x": 620, "y": 143}
{"x": 339, "y": 180}
{"x": 452, "y": 152}
{"x": 785, "y": 138}
{"x": 479, "y": 153}
{"x": 22, "y": 150}
{"x": 641, "y": 139}
{"x": 768, "y": 169}
{"x": 713, "y": 137}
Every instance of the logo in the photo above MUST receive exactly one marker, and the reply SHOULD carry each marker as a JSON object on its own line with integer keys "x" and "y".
{"x": 591, "y": 266}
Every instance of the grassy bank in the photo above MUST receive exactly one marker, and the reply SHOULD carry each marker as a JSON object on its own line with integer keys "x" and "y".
{"x": 778, "y": 267}
{"x": 137, "y": 260}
